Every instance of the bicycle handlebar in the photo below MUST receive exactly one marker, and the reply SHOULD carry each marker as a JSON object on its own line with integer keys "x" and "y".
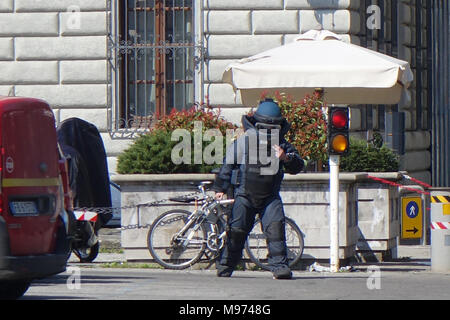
{"x": 225, "y": 201}
{"x": 209, "y": 199}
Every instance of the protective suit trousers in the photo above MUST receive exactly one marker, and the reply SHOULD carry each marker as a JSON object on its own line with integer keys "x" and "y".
{"x": 240, "y": 224}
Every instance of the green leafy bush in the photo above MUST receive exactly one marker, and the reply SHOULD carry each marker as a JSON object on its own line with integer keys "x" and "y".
{"x": 152, "y": 153}
{"x": 365, "y": 157}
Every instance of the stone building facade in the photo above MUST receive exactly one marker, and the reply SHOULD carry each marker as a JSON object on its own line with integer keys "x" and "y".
{"x": 86, "y": 58}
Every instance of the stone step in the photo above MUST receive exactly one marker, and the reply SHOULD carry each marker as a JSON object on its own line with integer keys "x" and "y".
{"x": 414, "y": 251}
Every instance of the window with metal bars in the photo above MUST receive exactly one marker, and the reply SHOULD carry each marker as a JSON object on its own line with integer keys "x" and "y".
{"x": 383, "y": 39}
{"x": 386, "y": 40}
{"x": 156, "y": 59}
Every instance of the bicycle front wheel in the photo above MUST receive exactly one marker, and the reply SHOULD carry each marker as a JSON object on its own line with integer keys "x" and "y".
{"x": 256, "y": 245}
{"x": 172, "y": 249}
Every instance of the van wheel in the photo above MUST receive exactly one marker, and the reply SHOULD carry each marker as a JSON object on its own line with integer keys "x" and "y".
{"x": 87, "y": 254}
{"x": 12, "y": 290}
{"x": 63, "y": 243}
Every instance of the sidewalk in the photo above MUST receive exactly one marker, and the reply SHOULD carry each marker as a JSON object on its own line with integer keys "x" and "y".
{"x": 109, "y": 248}
{"x": 402, "y": 279}
{"x": 410, "y": 258}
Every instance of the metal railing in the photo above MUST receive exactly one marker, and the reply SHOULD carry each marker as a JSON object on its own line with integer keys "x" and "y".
{"x": 153, "y": 60}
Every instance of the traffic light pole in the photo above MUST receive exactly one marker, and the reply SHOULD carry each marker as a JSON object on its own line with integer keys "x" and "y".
{"x": 338, "y": 144}
{"x": 334, "y": 212}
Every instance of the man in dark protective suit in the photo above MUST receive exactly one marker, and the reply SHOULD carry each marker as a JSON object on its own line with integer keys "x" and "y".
{"x": 256, "y": 178}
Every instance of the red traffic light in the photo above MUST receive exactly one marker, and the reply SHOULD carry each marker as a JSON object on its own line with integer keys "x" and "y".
{"x": 338, "y": 131}
{"x": 339, "y": 119}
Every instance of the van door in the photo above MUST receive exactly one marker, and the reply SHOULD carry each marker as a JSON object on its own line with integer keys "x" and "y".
{"x": 30, "y": 179}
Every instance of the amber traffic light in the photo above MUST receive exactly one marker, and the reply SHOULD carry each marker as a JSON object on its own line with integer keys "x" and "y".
{"x": 338, "y": 126}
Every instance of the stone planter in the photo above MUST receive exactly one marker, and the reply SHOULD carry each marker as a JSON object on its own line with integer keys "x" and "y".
{"x": 306, "y": 199}
{"x": 378, "y": 217}
{"x": 142, "y": 188}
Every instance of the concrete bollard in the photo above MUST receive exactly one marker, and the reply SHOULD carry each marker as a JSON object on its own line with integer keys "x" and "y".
{"x": 440, "y": 229}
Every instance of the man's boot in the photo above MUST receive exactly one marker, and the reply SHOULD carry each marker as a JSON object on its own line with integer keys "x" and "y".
{"x": 282, "y": 273}
{"x": 224, "y": 271}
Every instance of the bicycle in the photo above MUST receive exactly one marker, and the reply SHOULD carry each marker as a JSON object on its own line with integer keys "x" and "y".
{"x": 178, "y": 238}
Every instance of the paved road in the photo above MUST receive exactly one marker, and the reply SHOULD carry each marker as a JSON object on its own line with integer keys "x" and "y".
{"x": 386, "y": 281}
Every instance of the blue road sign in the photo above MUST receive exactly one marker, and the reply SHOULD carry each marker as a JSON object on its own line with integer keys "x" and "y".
{"x": 412, "y": 224}
{"x": 412, "y": 209}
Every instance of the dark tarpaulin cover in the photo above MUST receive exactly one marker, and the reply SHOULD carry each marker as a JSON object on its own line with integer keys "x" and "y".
{"x": 83, "y": 147}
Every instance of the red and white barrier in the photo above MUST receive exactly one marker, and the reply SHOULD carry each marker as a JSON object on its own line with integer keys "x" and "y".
{"x": 86, "y": 216}
{"x": 440, "y": 225}
{"x": 400, "y": 185}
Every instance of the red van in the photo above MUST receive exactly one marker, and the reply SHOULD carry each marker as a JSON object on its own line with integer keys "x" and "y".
{"x": 33, "y": 220}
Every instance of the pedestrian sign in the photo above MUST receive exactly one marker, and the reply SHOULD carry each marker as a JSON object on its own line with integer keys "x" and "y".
{"x": 412, "y": 221}
{"x": 412, "y": 209}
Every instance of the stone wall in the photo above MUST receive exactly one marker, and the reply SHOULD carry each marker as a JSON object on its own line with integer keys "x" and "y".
{"x": 305, "y": 197}
{"x": 369, "y": 212}
{"x": 238, "y": 29}
{"x": 56, "y": 50}
{"x": 417, "y": 160}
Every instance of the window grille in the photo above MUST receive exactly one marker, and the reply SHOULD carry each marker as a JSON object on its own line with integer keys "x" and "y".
{"x": 439, "y": 77}
{"x": 386, "y": 40}
{"x": 154, "y": 58}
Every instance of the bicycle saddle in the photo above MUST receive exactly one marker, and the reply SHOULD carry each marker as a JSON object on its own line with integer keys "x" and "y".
{"x": 183, "y": 199}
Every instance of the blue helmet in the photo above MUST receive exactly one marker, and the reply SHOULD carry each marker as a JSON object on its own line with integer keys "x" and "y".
{"x": 268, "y": 112}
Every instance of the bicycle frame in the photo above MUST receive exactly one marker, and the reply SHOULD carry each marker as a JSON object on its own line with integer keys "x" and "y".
{"x": 204, "y": 232}
{"x": 199, "y": 216}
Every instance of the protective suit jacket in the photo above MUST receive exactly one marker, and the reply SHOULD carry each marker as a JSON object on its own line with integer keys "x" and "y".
{"x": 256, "y": 191}
{"x": 237, "y": 172}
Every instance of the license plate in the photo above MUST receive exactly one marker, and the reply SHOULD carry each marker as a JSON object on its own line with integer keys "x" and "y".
{"x": 23, "y": 208}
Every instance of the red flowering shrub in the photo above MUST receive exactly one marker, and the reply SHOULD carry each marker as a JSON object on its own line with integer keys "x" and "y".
{"x": 308, "y": 131}
{"x": 185, "y": 119}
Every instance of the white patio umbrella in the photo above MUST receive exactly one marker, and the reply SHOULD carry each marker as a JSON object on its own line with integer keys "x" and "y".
{"x": 349, "y": 74}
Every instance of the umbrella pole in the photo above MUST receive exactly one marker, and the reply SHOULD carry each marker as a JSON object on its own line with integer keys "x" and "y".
{"x": 334, "y": 213}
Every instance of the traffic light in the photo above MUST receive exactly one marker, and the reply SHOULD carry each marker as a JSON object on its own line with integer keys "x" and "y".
{"x": 338, "y": 126}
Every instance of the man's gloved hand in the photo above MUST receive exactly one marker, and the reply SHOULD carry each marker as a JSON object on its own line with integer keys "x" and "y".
{"x": 219, "y": 195}
{"x": 279, "y": 153}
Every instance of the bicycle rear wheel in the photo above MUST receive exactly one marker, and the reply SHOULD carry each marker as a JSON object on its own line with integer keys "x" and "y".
{"x": 256, "y": 245}
{"x": 172, "y": 251}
